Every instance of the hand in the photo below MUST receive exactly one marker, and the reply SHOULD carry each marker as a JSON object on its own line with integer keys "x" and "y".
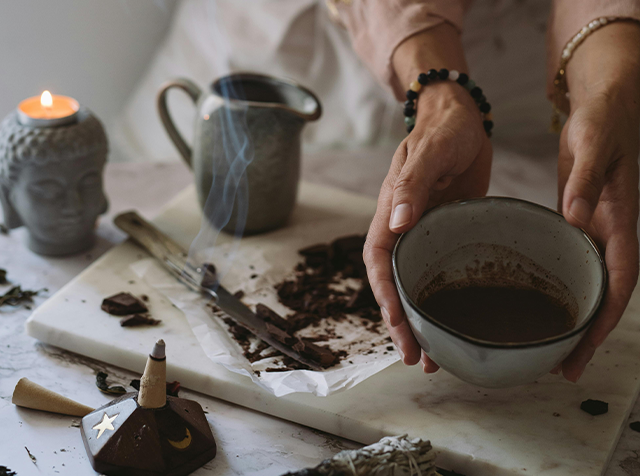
{"x": 447, "y": 156}
{"x": 598, "y": 170}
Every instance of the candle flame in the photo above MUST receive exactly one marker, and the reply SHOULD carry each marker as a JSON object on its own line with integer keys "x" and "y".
{"x": 46, "y": 100}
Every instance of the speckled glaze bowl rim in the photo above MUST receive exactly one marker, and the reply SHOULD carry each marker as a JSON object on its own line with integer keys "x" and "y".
{"x": 503, "y": 345}
{"x": 267, "y": 105}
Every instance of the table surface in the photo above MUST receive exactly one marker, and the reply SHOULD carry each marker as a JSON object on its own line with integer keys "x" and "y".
{"x": 249, "y": 443}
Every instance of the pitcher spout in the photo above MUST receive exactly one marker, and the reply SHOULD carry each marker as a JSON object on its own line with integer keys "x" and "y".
{"x": 251, "y": 90}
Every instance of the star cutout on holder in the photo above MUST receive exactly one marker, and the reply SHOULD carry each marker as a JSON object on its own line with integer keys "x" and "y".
{"x": 105, "y": 424}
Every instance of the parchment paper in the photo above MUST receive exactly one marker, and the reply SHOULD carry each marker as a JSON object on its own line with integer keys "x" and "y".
{"x": 368, "y": 351}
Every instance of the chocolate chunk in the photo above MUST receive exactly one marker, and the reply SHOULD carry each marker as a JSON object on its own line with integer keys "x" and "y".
{"x": 238, "y": 294}
{"x": 594, "y": 407}
{"x": 280, "y": 335}
{"x": 4, "y": 471}
{"x": 362, "y": 298}
{"x": 209, "y": 277}
{"x": 239, "y": 333}
{"x": 322, "y": 355}
{"x": 635, "y": 426}
{"x": 139, "y": 320}
{"x": 3, "y": 276}
{"x": 444, "y": 472}
{"x": 316, "y": 255}
{"x": 269, "y": 315}
{"x": 122, "y": 304}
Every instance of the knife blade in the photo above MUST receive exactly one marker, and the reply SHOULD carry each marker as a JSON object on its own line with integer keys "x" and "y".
{"x": 175, "y": 260}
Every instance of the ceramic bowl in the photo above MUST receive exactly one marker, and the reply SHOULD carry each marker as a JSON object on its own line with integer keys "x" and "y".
{"x": 486, "y": 238}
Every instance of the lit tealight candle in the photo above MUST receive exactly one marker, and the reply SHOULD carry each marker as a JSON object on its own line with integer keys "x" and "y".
{"x": 48, "y": 110}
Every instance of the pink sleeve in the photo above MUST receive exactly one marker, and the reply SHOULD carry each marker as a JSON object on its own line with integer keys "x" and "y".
{"x": 377, "y": 27}
{"x": 569, "y": 16}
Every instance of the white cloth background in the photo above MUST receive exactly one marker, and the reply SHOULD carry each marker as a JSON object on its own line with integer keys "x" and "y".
{"x": 504, "y": 40}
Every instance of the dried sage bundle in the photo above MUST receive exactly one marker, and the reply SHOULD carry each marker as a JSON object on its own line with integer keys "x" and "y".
{"x": 391, "y": 456}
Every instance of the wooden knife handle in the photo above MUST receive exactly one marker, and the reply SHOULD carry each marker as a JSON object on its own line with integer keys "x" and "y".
{"x": 153, "y": 240}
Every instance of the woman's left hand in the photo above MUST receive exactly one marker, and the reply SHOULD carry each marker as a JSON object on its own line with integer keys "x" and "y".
{"x": 598, "y": 169}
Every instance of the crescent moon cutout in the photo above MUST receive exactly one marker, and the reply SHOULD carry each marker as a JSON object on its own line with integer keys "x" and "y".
{"x": 182, "y": 444}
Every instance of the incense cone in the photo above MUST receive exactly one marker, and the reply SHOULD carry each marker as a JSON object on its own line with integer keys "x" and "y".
{"x": 153, "y": 384}
{"x": 31, "y": 395}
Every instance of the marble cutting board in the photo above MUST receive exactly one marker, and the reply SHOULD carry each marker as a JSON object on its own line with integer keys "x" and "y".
{"x": 536, "y": 429}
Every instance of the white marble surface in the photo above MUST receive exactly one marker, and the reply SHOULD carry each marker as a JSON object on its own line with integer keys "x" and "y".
{"x": 274, "y": 445}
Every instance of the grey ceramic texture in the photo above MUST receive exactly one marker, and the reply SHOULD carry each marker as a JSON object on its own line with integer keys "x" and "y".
{"x": 51, "y": 181}
{"x": 455, "y": 240}
{"x": 246, "y": 151}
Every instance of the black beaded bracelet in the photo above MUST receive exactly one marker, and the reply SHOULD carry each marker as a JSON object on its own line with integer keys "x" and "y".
{"x": 453, "y": 75}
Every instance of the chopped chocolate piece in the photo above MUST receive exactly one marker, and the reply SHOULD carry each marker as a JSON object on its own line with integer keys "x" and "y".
{"x": 280, "y": 335}
{"x": 316, "y": 255}
{"x": 444, "y": 472}
{"x": 3, "y": 276}
{"x": 139, "y": 320}
{"x": 209, "y": 276}
{"x": 173, "y": 388}
{"x": 389, "y": 347}
{"x": 238, "y": 294}
{"x": 4, "y": 229}
{"x": 4, "y": 471}
{"x": 144, "y": 297}
{"x": 323, "y": 355}
{"x": 635, "y": 426}
{"x": 269, "y": 315}
{"x": 239, "y": 333}
{"x": 362, "y": 298}
{"x": 594, "y": 407}
{"x": 254, "y": 276}
{"x": 122, "y": 304}
{"x": 101, "y": 383}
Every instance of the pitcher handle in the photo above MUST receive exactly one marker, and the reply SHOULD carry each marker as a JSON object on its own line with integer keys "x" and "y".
{"x": 194, "y": 93}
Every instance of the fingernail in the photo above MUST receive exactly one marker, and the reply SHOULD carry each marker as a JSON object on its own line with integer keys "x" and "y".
{"x": 580, "y": 210}
{"x": 400, "y": 353}
{"x": 401, "y": 216}
{"x": 578, "y": 377}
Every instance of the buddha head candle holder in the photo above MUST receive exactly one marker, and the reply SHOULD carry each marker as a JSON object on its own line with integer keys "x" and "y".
{"x": 52, "y": 155}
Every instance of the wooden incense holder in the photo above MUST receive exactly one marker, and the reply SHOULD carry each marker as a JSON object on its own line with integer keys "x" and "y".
{"x": 148, "y": 433}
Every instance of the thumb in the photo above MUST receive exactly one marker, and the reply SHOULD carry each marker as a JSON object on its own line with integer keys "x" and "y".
{"x": 411, "y": 192}
{"x": 584, "y": 186}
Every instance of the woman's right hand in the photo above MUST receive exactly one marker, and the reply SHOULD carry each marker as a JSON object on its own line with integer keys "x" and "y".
{"x": 446, "y": 157}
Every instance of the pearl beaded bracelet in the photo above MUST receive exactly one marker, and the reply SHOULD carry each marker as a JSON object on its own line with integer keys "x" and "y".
{"x": 462, "y": 79}
{"x": 560, "y": 99}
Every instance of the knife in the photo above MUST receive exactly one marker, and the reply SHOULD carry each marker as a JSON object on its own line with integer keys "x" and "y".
{"x": 175, "y": 260}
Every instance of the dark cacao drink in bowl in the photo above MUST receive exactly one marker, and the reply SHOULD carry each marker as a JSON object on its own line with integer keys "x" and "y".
{"x": 498, "y": 291}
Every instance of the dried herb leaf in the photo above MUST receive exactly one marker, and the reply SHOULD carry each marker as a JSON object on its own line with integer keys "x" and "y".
{"x": 4, "y": 471}
{"x": 101, "y": 383}
{"x": 33, "y": 458}
{"x": 16, "y": 296}
{"x": 3, "y": 276}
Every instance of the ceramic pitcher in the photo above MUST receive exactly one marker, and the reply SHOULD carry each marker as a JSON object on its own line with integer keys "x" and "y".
{"x": 246, "y": 150}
